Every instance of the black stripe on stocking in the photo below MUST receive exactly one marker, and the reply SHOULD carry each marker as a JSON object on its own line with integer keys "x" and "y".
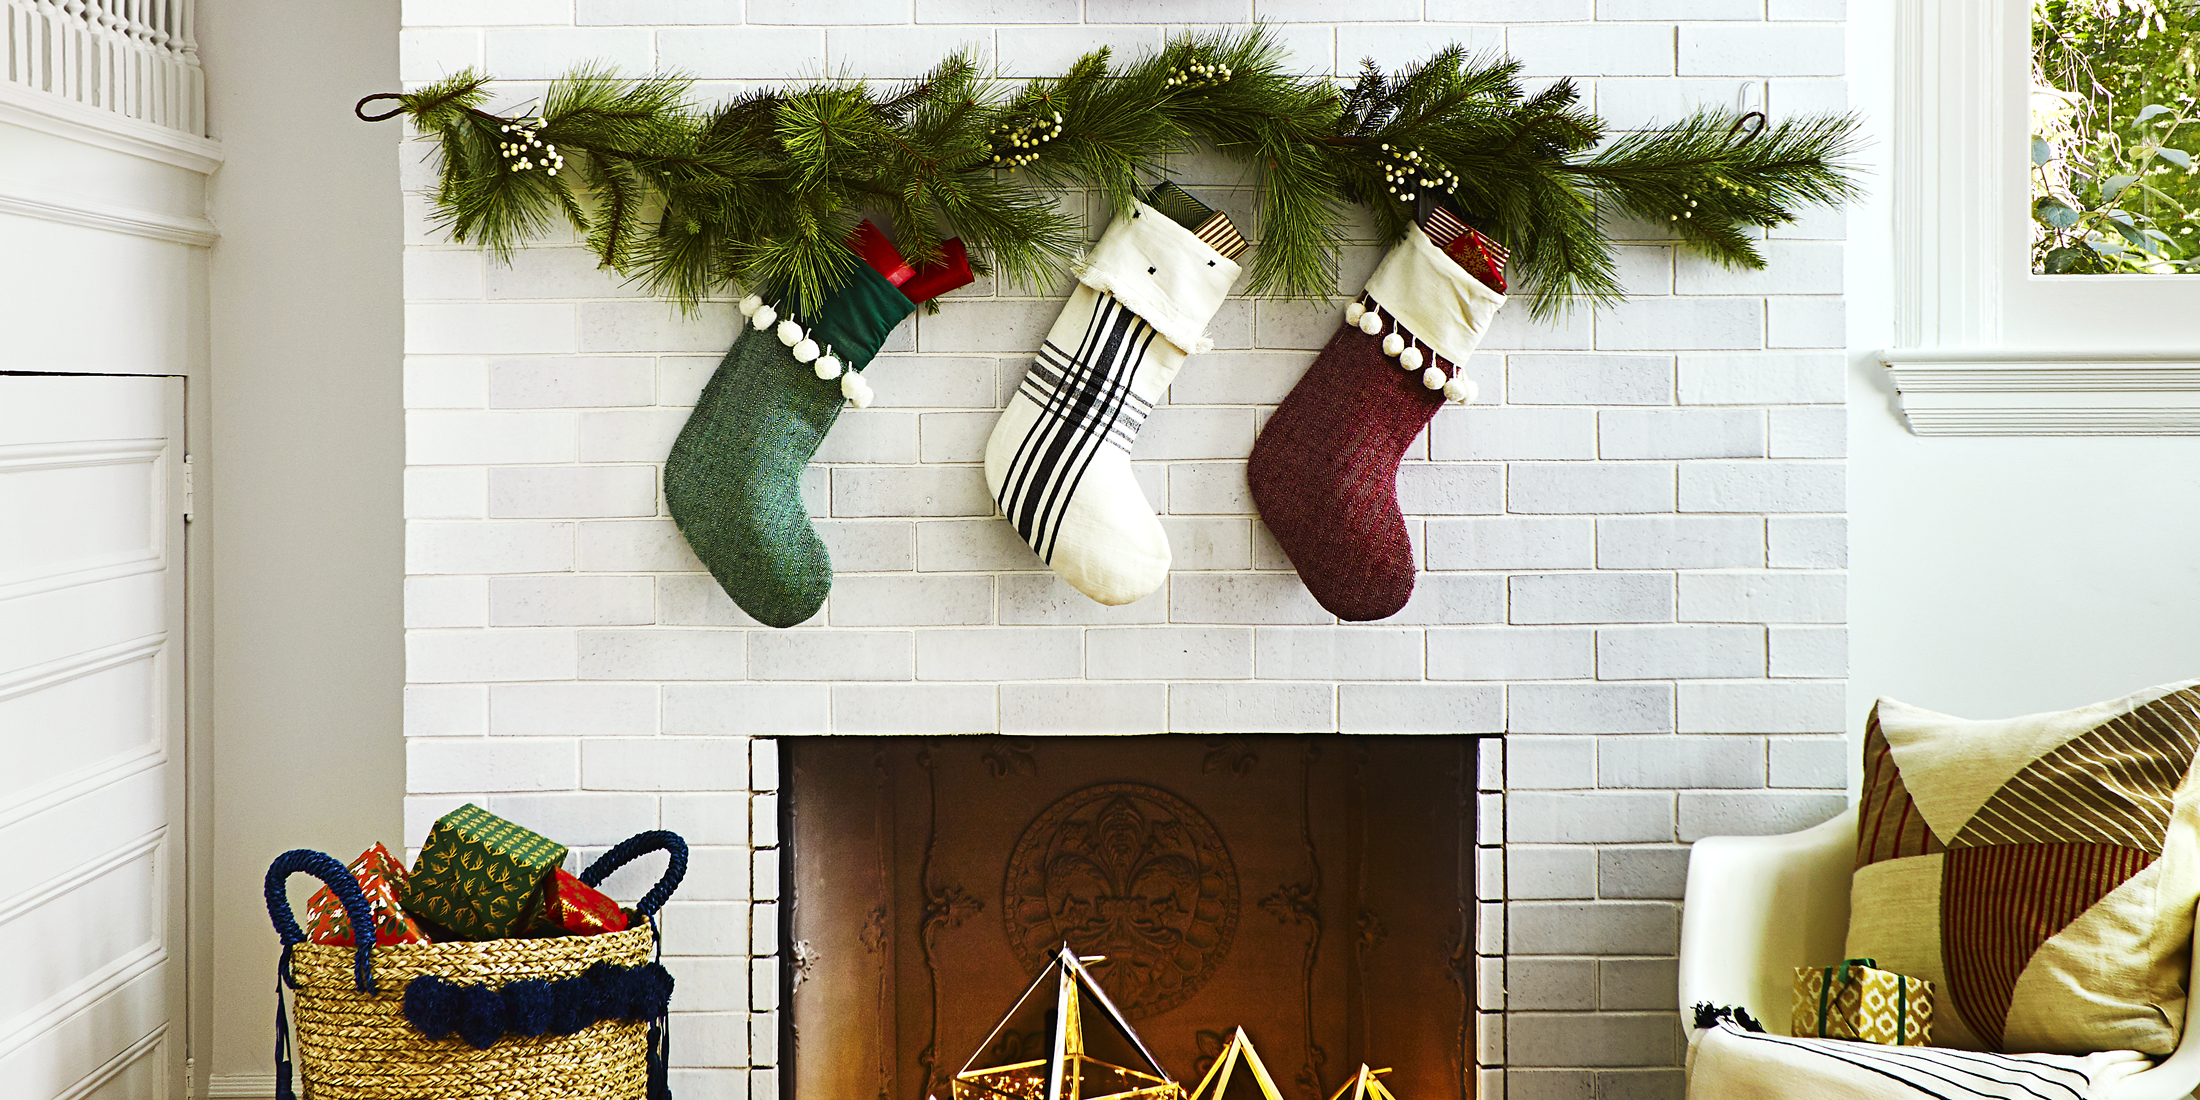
{"x": 1084, "y": 403}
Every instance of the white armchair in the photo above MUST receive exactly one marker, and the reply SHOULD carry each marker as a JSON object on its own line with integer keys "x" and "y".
{"x": 1757, "y": 907}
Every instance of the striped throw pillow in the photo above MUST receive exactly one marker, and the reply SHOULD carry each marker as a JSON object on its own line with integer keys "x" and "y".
{"x": 2041, "y": 871}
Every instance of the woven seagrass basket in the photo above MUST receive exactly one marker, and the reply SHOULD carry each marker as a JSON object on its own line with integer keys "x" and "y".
{"x": 356, "y": 1043}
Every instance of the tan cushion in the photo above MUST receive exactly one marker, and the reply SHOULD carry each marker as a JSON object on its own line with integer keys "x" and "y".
{"x": 2041, "y": 871}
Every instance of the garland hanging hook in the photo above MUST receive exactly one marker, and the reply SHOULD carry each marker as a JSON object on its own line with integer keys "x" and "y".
{"x": 360, "y": 108}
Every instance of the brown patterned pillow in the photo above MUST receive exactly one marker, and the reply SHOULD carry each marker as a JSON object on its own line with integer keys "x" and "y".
{"x": 2041, "y": 870}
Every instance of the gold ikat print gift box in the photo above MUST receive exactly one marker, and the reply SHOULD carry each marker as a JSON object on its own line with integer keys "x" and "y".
{"x": 478, "y": 874}
{"x": 1855, "y": 1000}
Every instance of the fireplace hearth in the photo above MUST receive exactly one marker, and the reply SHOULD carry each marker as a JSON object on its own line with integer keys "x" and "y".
{"x": 1324, "y": 893}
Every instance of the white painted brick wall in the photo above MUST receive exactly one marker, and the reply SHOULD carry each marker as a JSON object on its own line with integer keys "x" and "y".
{"x": 1635, "y": 544}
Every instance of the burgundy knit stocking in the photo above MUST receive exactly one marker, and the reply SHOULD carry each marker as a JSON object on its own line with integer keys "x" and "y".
{"x": 1324, "y": 471}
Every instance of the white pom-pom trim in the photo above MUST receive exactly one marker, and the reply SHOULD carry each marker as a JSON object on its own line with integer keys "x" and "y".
{"x": 856, "y": 390}
{"x": 1371, "y": 322}
{"x": 750, "y": 305}
{"x": 1353, "y": 312}
{"x": 764, "y": 316}
{"x": 1433, "y": 378}
{"x": 1393, "y": 344}
{"x": 790, "y": 333}
{"x": 1461, "y": 389}
{"x": 828, "y": 366}
{"x": 1410, "y": 359}
{"x": 805, "y": 351}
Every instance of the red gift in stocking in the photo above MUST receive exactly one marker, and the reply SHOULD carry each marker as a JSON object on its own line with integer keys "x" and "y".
{"x": 1324, "y": 472}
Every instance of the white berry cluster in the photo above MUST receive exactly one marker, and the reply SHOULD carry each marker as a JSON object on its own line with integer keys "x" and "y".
{"x": 1028, "y": 136}
{"x": 1406, "y": 173}
{"x": 1198, "y": 74}
{"x": 527, "y": 150}
{"x": 1731, "y": 187}
{"x": 1688, "y": 213}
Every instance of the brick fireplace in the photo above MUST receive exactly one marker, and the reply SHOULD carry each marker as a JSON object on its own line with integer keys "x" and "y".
{"x": 1633, "y": 546}
{"x": 1326, "y": 893}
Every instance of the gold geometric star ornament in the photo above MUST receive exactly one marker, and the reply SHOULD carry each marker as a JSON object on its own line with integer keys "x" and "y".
{"x": 1364, "y": 1086}
{"x": 1103, "y": 1061}
{"x": 1239, "y": 1050}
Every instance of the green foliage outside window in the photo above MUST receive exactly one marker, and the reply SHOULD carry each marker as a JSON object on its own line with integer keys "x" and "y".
{"x": 2115, "y": 133}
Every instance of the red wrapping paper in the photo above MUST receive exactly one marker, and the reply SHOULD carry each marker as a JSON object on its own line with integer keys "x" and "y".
{"x": 879, "y": 254}
{"x": 1482, "y": 258}
{"x": 921, "y": 284}
{"x": 576, "y": 908}
{"x": 933, "y": 280}
{"x": 1476, "y": 254}
{"x": 381, "y": 879}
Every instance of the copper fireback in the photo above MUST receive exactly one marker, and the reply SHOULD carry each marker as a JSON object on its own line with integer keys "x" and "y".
{"x": 1316, "y": 891}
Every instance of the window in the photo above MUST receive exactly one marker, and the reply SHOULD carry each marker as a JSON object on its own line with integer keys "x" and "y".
{"x": 2115, "y": 189}
{"x": 1985, "y": 342}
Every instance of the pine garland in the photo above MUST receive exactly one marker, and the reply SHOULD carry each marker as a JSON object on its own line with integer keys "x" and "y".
{"x": 763, "y": 190}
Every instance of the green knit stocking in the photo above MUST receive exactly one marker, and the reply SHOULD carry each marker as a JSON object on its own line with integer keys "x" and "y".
{"x": 733, "y": 480}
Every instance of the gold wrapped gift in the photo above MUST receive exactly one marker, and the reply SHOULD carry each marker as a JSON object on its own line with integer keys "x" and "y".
{"x": 1856, "y": 1000}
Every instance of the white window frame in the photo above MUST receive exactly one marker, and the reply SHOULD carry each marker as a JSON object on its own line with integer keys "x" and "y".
{"x": 1981, "y": 345}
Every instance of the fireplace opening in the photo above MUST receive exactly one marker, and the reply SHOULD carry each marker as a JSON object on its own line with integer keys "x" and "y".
{"x": 1324, "y": 893}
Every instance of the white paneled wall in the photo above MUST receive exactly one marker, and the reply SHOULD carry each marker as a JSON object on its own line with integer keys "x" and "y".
{"x": 1634, "y": 546}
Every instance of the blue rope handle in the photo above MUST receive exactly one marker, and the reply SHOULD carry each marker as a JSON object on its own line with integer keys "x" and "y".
{"x": 342, "y": 884}
{"x": 676, "y": 867}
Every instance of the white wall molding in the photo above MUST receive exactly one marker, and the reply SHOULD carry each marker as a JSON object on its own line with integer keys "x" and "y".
{"x": 112, "y": 217}
{"x": 40, "y": 799}
{"x": 91, "y": 126}
{"x": 100, "y": 985}
{"x": 114, "y": 1066}
{"x": 1948, "y": 114}
{"x": 241, "y": 1086}
{"x": 2018, "y": 392}
{"x": 11, "y": 908}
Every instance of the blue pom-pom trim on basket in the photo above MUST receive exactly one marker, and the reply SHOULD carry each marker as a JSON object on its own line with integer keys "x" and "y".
{"x": 481, "y": 1015}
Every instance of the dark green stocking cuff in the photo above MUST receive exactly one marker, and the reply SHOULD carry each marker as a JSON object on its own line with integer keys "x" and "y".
{"x": 858, "y": 317}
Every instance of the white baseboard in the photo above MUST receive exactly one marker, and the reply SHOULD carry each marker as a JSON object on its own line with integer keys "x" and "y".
{"x": 241, "y": 1086}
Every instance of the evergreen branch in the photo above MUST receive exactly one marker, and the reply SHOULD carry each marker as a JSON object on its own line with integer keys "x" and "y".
{"x": 762, "y": 190}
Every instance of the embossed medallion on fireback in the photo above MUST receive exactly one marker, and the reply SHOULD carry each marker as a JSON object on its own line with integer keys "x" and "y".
{"x": 1131, "y": 872}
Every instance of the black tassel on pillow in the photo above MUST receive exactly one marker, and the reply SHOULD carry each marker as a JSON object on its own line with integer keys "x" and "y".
{"x": 1707, "y": 1016}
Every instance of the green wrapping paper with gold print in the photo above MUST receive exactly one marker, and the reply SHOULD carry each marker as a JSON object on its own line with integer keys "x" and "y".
{"x": 478, "y": 874}
{"x": 1855, "y": 1000}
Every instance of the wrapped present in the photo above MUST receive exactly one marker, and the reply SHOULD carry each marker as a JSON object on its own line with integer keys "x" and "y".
{"x": 572, "y": 907}
{"x": 1856, "y": 1000}
{"x": 1179, "y": 205}
{"x": 1478, "y": 255}
{"x": 932, "y": 280}
{"x": 1208, "y": 224}
{"x": 382, "y": 880}
{"x": 1482, "y": 258}
{"x": 879, "y": 254}
{"x": 479, "y": 874}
